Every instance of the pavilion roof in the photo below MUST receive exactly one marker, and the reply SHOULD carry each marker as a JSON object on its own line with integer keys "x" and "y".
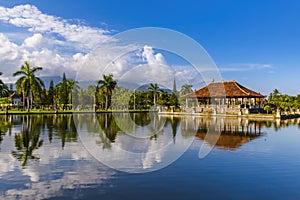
{"x": 229, "y": 89}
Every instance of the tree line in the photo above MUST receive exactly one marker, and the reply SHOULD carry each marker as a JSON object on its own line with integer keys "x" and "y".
{"x": 281, "y": 102}
{"x": 105, "y": 94}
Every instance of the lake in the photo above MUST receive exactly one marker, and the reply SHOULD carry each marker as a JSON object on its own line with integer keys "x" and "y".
{"x": 147, "y": 156}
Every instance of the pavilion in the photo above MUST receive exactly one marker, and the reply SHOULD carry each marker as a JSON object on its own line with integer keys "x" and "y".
{"x": 222, "y": 97}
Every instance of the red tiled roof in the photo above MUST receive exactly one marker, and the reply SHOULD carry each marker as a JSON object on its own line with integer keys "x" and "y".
{"x": 222, "y": 89}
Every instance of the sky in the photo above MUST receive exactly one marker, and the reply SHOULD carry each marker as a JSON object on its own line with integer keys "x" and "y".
{"x": 253, "y": 42}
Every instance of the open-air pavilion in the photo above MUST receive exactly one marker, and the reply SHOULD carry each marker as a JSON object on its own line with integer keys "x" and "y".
{"x": 223, "y": 97}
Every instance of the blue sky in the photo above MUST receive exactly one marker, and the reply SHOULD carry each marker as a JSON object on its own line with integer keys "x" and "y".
{"x": 254, "y": 42}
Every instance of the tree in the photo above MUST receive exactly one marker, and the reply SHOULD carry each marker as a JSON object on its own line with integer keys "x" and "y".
{"x": 267, "y": 108}
{"x": 73, "y": 88}
{"x": 4, "y": 91}
{"x": 154, "y": 89}
{"x": 63, "y": 91}
{"x": 185, "y": 89}
{"x": 28, "y": 82}
{"x": 51, "y": 94}
{"x": 107, "y": 85}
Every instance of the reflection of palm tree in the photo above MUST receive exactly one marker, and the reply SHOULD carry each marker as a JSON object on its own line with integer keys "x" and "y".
{"x": 174, "y": 124}
{"x": 66, "y": 129}
{"x": 27, "y": 141}
{"x": 28, "y": 82}
{"x": 109, "y": 126}
{"x": 4, "y": 127}
{"x": 108, "y": 84}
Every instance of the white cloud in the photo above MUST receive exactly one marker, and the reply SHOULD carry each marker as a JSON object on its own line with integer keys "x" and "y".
{"x": 83, "y": 52}
{"x": 238, "y": 67}
{"x": 28, "y": 16}
{"x": 151, "y": 58}
{"x": 34, "y": 42}
{"x": 8, "y": 50}
{"x": 54, "y": 44}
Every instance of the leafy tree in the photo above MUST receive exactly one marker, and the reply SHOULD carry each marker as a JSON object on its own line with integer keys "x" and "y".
{"x": 185, "y": 89}
{"x": 51, "y": 94}
{"x": 4, "y": 91}
{"x": 73, "y": 88}
{"x": 63, "y": 91}
{"x": 29, "y": 82}
{"x": 154, "y": 89}
{"x": 107, "y": 85}
{"x": 121, "y": 98}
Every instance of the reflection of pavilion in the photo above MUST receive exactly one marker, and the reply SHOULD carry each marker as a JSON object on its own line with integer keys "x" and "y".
{"x": 225, "y": 133}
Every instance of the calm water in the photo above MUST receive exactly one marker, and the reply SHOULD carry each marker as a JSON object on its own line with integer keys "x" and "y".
{"x": 61, "y": 157}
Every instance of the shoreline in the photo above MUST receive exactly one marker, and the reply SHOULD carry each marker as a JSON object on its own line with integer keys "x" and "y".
{"x": 249, "y": 116}
{"x": 53, "y": 112}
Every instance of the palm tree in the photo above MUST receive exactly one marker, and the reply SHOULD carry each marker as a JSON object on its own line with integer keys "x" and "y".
{"x": 29, "y": 82}
{"x": 4, "y": 91}
{"x": 73, "y": 88}
{"x": 154, "y": 88}
{"x": 185, "y": 89}
{"x": 107, "y": 85}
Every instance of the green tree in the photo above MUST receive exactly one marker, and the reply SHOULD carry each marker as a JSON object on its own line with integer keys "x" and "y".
{"x": 185, "y": 89}
{"x": 63, "y": 91}
{"x": 29, "y": 82}
{"x": 73, "y": 88}
{"x": 154, "y": 89}
{"x": 267, "y": 108}
{"x": 121, "y": 98}
{"x": 107, "y": 85}
{"x": 4, "y": 91}
{"x": 51, "y": 94}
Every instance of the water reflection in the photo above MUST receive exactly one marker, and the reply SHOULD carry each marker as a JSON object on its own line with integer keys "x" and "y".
{"x": 129, "y": 142}
{"x": 233, "y": 132}
{"x": 41, "y": 156}
{"x": 5, "y": 126}
{"x": 27, "y": 141}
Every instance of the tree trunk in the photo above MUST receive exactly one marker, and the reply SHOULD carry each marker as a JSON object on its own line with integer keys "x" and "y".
{"x": 106, "y": 102}
{"x": 28, "y": 101}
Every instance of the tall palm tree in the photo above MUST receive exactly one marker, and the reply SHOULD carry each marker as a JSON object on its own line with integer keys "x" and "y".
{"x": 4, "y": 91}
{"x": 154, "y": 88}
{"x": 28, "y": 82}
{"x": 107, "y": 85}
{"x": 185, "y": 89}
{"x": 73, "y": 88}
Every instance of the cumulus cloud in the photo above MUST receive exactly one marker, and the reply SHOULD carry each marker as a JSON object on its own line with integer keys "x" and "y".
{"x": 34, "y": 41}
{"x": 54, "y": 44}
{"x": 83, "y": 52}
{"x": 152, "y": 58}
{"x": 28, "y": 16}
{"x": 8, "y": 50}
